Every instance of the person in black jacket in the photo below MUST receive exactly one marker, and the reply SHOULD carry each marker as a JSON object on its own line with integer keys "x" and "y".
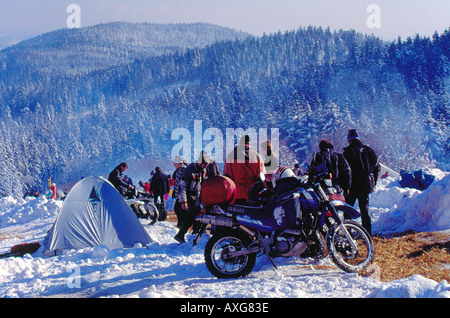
{"x": 159, "y": 185}
{"x": 365, "y": 169}
{"x": 115, "y": 177}
{"x": 336, "y": 164}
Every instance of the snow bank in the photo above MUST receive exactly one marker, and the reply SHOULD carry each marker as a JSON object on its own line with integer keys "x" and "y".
{"x": 415, "y": 286}
{"x": 400, "y": 210}
{"x": 22, "y": 211}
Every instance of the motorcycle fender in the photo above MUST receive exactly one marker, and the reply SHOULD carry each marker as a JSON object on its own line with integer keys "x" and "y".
{"x": 346, "y": 209}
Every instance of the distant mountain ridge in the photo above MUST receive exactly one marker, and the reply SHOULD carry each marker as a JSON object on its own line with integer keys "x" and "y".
{"x": 12, "y": 37}
{"x": 86, "y": 49}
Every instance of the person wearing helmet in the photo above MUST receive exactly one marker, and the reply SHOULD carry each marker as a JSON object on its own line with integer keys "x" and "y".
{"x": 244, "y": 166}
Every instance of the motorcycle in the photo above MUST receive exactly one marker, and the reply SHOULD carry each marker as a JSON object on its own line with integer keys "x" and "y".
{"x": 290, "y": 220}
{"x": 142, "y": 206}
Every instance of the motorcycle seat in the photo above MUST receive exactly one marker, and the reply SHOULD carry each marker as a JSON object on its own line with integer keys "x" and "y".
{"x": 263, "y": 212}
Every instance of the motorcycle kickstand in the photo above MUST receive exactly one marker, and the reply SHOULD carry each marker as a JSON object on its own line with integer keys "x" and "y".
{"x": 273, "y": 262}
{"x": 266, "y": 249}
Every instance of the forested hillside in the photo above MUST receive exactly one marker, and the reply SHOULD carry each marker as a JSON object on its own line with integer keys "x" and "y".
{"x": 114, "y": 101}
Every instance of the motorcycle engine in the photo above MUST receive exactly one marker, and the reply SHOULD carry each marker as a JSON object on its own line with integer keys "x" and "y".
{"x": 284, "y": 244}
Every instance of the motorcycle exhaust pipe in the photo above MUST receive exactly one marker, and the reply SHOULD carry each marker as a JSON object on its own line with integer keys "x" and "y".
{"x": 215, "y": 220}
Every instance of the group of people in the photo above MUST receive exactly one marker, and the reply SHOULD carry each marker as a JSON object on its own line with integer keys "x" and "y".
{"x": 355, "y": 172}
{"x": 243, "y": 165}
{"x": 158, "y": 186}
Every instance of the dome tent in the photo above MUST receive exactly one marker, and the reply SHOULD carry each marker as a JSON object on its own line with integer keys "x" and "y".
{"x": 94, "y": 213}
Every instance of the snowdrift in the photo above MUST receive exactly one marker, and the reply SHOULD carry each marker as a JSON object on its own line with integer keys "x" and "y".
{"x": 415, "y": 286}
{"x": 414, "y": 210}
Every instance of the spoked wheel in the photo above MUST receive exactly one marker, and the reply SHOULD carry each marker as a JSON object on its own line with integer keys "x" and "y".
{"x": 344, "y": 255}
{"x": 318, "y": 248}
{"x": 217, "y": 255}
{"x": 146, "y": 212}
{"x": 151, "y": 212}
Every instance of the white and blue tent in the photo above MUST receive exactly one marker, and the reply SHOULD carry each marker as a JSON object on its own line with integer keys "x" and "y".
{"x": 93, "y": 214}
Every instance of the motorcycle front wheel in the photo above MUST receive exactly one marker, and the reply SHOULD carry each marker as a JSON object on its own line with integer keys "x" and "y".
{"x": 342, "y": 252}
{"x": 149, "y": 212}
{"x": 217, "y": 248}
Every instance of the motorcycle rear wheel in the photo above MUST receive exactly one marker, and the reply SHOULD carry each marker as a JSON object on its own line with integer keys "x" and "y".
{"x": 343, "y": 254}
{"x": 222, "y": 243}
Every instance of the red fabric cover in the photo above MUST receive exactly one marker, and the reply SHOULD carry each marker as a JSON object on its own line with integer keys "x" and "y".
{"x": 218, "y": 190}
{"x": 28, "y": 248}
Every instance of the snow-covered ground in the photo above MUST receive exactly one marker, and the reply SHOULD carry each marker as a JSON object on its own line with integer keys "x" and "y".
{"x": 165, "y": 269}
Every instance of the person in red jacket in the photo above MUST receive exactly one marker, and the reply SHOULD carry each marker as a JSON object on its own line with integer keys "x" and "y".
{"x": 243, "y": 166}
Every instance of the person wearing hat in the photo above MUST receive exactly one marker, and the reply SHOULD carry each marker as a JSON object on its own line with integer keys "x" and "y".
{"x": 336, "y": 164}
{"x": 244, "y": 165}
{"x": 189, "y": 196}
{"x": 180, "y": 166}
{"x": 365, "y": 168}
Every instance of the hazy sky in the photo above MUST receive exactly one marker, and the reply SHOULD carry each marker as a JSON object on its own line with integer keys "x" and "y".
{"x": 393, "y": 17}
